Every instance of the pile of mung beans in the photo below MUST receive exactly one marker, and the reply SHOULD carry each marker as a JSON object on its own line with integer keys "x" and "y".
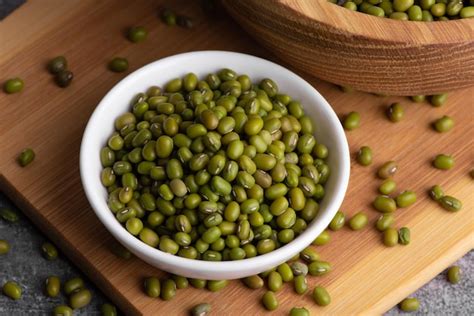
{"x": 214, "y": 169}
{"x": 412, "y": 10}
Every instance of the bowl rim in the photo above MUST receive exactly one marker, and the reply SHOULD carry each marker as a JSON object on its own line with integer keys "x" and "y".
{"x": 136, "y": 245}
{"x": 362, "y": 25}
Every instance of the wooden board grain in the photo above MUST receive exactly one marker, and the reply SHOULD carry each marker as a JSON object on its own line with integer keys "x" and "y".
{"x": 367, "y": 278}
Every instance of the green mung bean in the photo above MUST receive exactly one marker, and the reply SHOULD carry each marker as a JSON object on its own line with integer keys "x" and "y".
{"x": 409, "y": 305}
{"x": 52, "y": 286}
{"x": 62, "y": 310}
{"x": 406, "y": 198}
{"x": 300, "y": 284}
{"x": 321, "y": 296}
{"x": 454, "y": 274}
{"x": 202, "y": 309}
{"x": 275, "y": 281}
{"x": 4, "y": 247}
{"x": 318, "y": 268}
{"x": 358, "y": 221}
{"x": 385, "y": 221}
{"x": 118, "y": 64}
{"x": 384, "y": 204}
{"x": 443, "y": 124}
{"x": 404, "y": 236}
{"x": 49, "y": 251}
{"x": 57, "y": 64}
{"x": 64, "y": 78}
{"x": 390, "y": 237}
{"x": 450, "y": 203}
{"x": 351, "y": 121}
{"x": 80, "y": 299}
{"x": 338, "y": 221}
{"x": 387, "y": 186}
{"x": 12, "y": 290}
{"x": 364, "y": 156}
{"x": 26, "y": 157}
{"x": 9, "y": 215}
{"x": 443, "y": 162}
{"x": 253, "y": 282}
{"x": 137, "y": 34}
{"x": 438, "y": 100}
{"x": 387, "y": 170}
{"x": 269, "y": 301}
{"x": 436, "y": 192}
{"x": 322, "y": 239}
{"x": 168, "y": 290}
{"x": 395, "y": 111}
{"x": 107, "y": 309}
{"x": 13, "y": 85}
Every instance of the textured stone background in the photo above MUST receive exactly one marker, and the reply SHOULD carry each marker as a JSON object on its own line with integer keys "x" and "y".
{"x": 25, "y": 265}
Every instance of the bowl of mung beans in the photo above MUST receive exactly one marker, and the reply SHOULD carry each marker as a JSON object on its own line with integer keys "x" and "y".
{"x": 391, "y": 47}
{"x": 214, "y": 165}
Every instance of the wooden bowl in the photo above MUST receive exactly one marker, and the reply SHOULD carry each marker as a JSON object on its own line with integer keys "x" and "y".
{"x": 365, "y": 52}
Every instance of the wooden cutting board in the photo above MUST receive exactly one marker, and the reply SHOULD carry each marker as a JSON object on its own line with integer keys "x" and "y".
{"x": 368, "y": 278}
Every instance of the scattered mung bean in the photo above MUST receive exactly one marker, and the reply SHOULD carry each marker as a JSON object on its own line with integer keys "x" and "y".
{"x": 4, "y": 247}
{"x": 409, "y": 305}
{"x": 450, "y": 203}
{"x": 118, "y": 64}
{"x": 12, "y": 290}
{"x": 390, "y": 237}
{"x": 63, "y": 78}
{"x": 454, "y": 274}
{"x": 395, "y": 112}
{"x": 137, "y": 34}
{"x": 436, "y": 192}
{"x": 384, "y": 204}
{"x": 406, "y": 198}
{"x": 63, "y": 310}
{"x": 385, "y": 221}
{"x": 364, "y": 156}
{"x": 299, "y": 311}
{"x": 351, "y": 121}
{"x": 404, "y": 236}
{"x": 52, "y": 286}
{"x": 9, "y": 215}
{"x": 202, "y": 309}
{"x": 321, "y": 296}
{"x": 80, "y": 298}
{"x": 387, "y": 186}
{"x": 443, "y": 162}
{"x": 49, "y": 251}
{"x": 358, "y": 221}
{"x": 338, "y": 221}
{"x": 26, "y": 157}
{"x": 438, "y": 100}
{"x": 57, "y": 64}
{"x": 443, "y": 124}
{"x": 108, "y": 309}
{"x": 387, "y": 170}
{"x": 13, "y": 85}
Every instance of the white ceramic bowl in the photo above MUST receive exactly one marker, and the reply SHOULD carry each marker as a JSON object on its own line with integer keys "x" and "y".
{"x": 328, "y": 130}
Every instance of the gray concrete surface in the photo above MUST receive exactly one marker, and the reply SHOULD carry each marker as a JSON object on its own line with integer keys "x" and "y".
{"x": 25, "y": 265}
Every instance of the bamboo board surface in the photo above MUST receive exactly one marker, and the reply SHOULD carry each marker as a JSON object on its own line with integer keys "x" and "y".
{"x": 367, "y": 278}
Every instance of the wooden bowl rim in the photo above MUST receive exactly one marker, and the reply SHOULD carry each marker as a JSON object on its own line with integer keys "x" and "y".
{"x": 360, "y": 24}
